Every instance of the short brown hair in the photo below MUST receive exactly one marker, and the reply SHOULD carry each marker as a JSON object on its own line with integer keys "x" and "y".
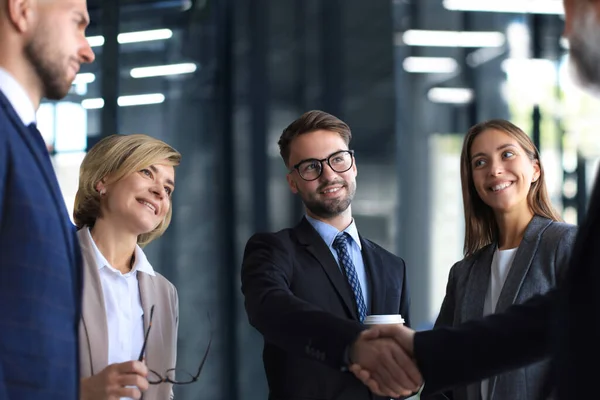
{"x": 115, "y": 157}
{"x": 481, "y": 227}
{"x": 311, "y": 121}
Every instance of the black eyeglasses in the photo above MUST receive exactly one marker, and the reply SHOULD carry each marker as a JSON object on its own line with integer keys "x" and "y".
{"x": 185, "y": 378}
{"x": 311, "y": 169}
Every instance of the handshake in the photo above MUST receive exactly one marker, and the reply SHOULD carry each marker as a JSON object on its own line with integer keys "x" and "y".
{"x": 382, "y": 358}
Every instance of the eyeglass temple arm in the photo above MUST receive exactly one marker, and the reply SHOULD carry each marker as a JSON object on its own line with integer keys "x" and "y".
{"x": 141, "y": 357}
{"x": 207, "y": 349}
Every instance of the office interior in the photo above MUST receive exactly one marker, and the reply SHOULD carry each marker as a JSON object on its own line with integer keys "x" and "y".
{"x": 220, "y": 79}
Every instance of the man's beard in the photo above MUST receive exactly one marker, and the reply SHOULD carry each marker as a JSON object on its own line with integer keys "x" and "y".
{"x": 330, "y": 208}
{"x": 39, "y": 52}
{"x": 584, "y": 51}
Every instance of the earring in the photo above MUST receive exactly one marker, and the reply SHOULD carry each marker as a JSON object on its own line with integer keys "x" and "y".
{"x": 102, "y": 192}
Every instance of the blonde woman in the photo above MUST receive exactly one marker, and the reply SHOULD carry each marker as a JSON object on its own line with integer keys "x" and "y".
{"x": 123, "y": 203}
{"x": 515, "y": 244}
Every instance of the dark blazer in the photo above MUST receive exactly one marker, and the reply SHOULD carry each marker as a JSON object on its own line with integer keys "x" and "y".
{"x": 40, "y": 275}
{"x": 299, "y": 300}
{"x": 562, "y": 324}
{"x": 540, "y": 262}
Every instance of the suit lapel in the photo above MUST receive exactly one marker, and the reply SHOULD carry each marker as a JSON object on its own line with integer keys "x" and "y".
{"x": 474, "y": 300}
{"x": 93, "y": 310}
{"x": 477, "y": 285}
{"x": 518, "y": 271}
{"x": 317, "y": 248}
{"x": 47, "y": 170}
{"x": 375, "y": 273}
{"x": 153, "y": 348}
{"x": 522, "y": 262}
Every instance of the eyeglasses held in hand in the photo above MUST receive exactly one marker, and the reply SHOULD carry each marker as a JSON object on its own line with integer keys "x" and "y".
{"x": 185, "y": 378}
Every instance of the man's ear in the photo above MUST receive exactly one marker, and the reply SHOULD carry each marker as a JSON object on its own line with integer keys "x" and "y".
{"x": 21, "y": 14}
{"x": 292, "y": 183}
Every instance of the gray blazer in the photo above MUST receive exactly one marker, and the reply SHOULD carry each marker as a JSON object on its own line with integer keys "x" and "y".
{"x": 161, "y": 352}
{"x": 540, "y": 262}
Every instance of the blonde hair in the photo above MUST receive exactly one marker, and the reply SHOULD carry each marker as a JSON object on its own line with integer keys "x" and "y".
{"x": 113, "y": 158}
{"x": 481, "y": 227}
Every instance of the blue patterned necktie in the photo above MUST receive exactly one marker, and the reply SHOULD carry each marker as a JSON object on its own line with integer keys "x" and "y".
{"x": 340, "y": 246}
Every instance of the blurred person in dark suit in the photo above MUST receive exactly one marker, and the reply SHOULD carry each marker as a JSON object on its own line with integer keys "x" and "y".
{"x": 562, "y": 324}
{"x": 308, "y": 288}
{"x": 42, "y": 45}
{"x": 516, "y": 245}
{"x": 124, "y": 202}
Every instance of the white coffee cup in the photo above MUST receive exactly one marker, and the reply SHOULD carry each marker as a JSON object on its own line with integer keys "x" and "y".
{"x": 385, "y": 319}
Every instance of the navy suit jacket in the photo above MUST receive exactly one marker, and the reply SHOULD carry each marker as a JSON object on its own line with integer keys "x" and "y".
{"x": 40, "y": 271}
{"x": 299, "y": 300}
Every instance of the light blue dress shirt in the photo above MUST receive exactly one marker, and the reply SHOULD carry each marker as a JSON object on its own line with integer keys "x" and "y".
{"x": 328, "y": 233}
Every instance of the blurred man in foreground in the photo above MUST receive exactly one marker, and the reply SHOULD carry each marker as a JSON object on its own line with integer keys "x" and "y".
{"x": 42, "y": 45}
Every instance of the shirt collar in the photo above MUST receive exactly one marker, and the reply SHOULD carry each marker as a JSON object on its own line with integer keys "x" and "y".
{"x": 328, "y": 232}
{"x": 17, "y": 96}
{"x": 141, "y": 262}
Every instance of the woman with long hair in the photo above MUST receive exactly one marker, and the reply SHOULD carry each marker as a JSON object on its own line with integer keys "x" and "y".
{"x": 516, "y": 245}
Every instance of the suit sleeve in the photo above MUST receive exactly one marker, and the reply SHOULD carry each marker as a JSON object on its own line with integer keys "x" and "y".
{"x": 563, "y": 252}
{"x": 445, "y": 318}
{"x": 405, "y": 298}
{"x": 446, "y": 315}
{"x": 3, "y": 168}
{"x": 283, "y": 319}
{"x": 3, "y": 172}
{"x": 476, "y": 350}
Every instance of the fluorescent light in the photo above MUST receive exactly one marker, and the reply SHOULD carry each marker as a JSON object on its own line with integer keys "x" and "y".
{"x": 85, "y": 77}
{"x": 92, "y": 104}
{"x": 416, "y": 37}
{"x": 95, "y": 41}
{"x": 440, "y": 65}
{"x": 126, "y": 101}
{"x": 141, "y": 99}
{"x": 134, "y": 37}
{"x": 532, "y": 67}
{"x": 450, "y": 95}
{"x": 507, "y": 6}
{"x": 144, "y": 36}
{"x": 163, "y": 70}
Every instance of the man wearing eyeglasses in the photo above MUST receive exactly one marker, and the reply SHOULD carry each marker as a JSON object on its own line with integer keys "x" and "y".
{"x": 308, "y": 288}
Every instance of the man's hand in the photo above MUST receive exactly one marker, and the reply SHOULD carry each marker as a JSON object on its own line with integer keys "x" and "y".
{"x": 386, "y": 368}
{"x": 383, "y": 365}
{"x": 126, "y": 379}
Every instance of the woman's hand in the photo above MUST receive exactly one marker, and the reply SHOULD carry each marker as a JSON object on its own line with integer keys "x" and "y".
{"x": 126, "y": 379}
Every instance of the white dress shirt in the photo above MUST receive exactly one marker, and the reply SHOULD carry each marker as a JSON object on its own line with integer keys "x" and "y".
{"x": 123, "y": 305}
{"x": 501, "y": 263}
{"x": 17, "y": 96}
